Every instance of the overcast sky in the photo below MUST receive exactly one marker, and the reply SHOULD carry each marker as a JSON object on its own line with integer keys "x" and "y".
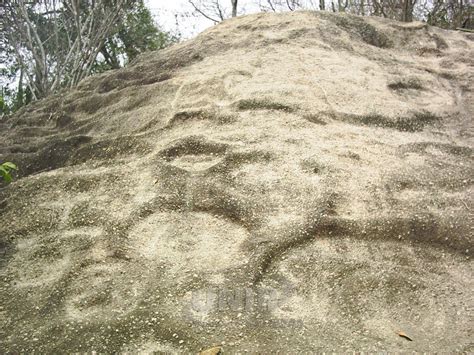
{"x": 165, "y": 11}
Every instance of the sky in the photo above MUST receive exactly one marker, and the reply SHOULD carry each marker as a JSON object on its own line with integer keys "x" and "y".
{"x": 164, "y": 12}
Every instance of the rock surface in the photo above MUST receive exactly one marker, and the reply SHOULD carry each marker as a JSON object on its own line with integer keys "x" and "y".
{"x": 283, "y": 182}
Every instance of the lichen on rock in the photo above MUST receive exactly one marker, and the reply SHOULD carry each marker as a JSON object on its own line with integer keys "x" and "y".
{"x": 292, "y": 183}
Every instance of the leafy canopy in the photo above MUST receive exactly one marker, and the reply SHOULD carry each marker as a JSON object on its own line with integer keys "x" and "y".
{"x": 50, "y": 45}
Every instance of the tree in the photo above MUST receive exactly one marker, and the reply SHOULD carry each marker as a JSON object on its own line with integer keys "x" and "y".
{"x": 401, "y": 10}
{"x": 51, "y": 44}
{"x": 443, "y": 13}
{"x": 407, "y": 10}
{"x": 136, "y": 33}
{"x": 57, "y": 42}
{"x": 213, "y": 10}
{"x": 449, "y": 14}
{"x": 234, "y": 8}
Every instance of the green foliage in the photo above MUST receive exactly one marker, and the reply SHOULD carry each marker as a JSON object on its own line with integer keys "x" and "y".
{"x": 5, "y": 171}
{"x": 4, "y": 108}
{"x": 12, "y": 99}
{"x": 138, "y": 33}
{"x": 135, "y": 34}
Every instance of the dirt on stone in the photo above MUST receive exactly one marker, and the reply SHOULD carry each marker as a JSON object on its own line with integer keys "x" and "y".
{"x": 290, "y": 183}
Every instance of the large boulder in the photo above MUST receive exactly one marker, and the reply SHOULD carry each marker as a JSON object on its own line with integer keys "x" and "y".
{"x": 284, "y": 182}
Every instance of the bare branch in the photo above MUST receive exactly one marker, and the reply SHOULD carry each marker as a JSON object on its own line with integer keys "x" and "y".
{"x": 197, "y": 9}
{"x": 85, "y": 26}
{"x": 271, "y": 5}
{"x": 289, "y": 6}
{"x": 219, "y": 10}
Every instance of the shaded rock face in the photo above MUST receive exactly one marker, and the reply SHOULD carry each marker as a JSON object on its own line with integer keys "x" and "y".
{"x": 284, "y": 182}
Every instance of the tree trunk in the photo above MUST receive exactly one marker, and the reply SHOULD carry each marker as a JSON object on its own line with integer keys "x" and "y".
{"x": 110, "y": 59}
{"x": 20, "y": 93}
{"x": 407, "y": 10}
{"x": 44, "y": 72}
{"x": 234, "y": 8}
{"x": 322, "y": 5}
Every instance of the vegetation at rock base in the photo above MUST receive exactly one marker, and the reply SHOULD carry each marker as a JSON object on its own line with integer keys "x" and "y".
{"x": 5, "y": 171}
